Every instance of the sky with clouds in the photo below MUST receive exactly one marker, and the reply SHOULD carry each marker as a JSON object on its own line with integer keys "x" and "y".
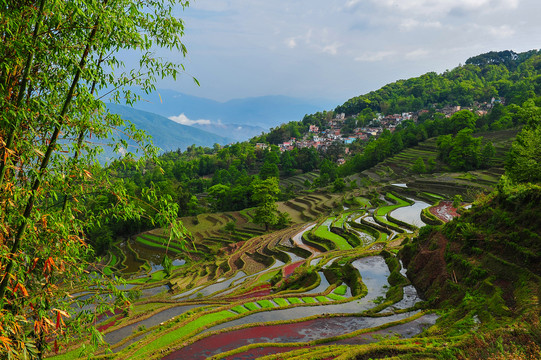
{"x": 337, "y": 49}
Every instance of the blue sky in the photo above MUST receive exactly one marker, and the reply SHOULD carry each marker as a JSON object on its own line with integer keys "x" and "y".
{"x": 337, "y": 49}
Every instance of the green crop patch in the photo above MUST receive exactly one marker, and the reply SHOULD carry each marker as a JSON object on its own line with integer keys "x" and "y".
{"x": 335, "y": 297}
{"x": 309, "y": 300}
{"x": 239, "y": 309}
{"x": 265, "y": 304}
{"x": 251, "y": 306}
{"x": 341, "y": 290}
{"x": 323, "y": 232}
{"x": 281, "y": 302}
{"x": 322, "y": 299}
{"x": 294, "y": 300}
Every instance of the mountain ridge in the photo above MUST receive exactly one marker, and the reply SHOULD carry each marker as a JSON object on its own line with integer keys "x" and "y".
{"x": 167, "y": 134}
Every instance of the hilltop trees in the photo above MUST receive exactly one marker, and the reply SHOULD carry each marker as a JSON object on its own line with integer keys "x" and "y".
{"x": 58, "y": 59}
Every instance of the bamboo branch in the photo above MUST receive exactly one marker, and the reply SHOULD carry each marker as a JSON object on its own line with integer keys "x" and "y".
{"x": 44, "y": 163}
{"x": 20, "y": 95}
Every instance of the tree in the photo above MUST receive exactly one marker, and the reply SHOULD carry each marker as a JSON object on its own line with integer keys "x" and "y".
{"x": 219, "y": 197}
{"x": 288, "y": 163}
{"x": 58, "y": 61}
{"x": 465, "y": 153}
{"x": 419, "y": 166}
{"x": 487, "y": 155}
{"x": 265, "y": 194}
{"x": 339, "y": 185}
{"x": 523, "y": 160}
{"x": 268, "y": 170}
{"x": 463, "y": 119}
{"x": 307, "y": 159}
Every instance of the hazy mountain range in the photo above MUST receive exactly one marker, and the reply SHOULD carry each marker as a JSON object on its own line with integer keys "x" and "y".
{"x": 237, "y": 119}
{"x": 168, "y": 135}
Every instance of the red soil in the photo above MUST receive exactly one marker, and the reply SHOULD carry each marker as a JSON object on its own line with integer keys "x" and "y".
{"x": 444, "y": 211}
{"x": 262, "y": 290}
{"x": 223, "y": 342}
{"x": 289, "y": 269}
{"x": 107, "y": 315}
{"x": 109, "y": 324}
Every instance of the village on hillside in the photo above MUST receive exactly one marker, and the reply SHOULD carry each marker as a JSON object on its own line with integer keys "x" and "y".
{"x": 322, "y": 139}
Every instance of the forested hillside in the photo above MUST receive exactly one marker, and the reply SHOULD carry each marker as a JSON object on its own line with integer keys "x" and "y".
{"x": 202, "y": 179}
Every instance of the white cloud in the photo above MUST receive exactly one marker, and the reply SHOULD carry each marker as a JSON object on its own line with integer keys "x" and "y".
{"x": 183, "y": 119}
{"x": 375, "y": 56}
{"x": 417, "y": 54}
{"x": 503, "y": 31}
{"x": 444, "y": 7}
{"x": 291, "y": 43}
{"x": 331, "y": 48}
{"x": 410, "y": 24}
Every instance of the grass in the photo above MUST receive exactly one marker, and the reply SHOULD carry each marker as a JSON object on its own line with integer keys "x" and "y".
{"x": 309, "y": 300}
{"x": 342, "y": 219}
{"x": 158, "y": 275}
{"x": 323, "y": 232}
{"x": 322, "y": 299}
{"x": 432, "y": 195}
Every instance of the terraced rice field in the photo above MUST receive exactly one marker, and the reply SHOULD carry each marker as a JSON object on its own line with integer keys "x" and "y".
{"x": 266, "y": 284}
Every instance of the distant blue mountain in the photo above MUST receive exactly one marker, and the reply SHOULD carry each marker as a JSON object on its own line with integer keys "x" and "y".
{"x": 263, "y": 112}
{"x": 168, "y": 135}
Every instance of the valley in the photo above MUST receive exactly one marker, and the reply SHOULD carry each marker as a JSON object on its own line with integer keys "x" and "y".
{"x": 330, "y": 285}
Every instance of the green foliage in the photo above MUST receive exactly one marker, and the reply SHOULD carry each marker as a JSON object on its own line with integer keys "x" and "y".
{"x": 265, "y": 194}
{"x": 525, "y": 156}
{"x": 338, "y": 185}
{"x": 59, "y": 58}
{"x": 463, "y": 152}
{"x": 167, "y": 265}
{"x": 419, "y": 166}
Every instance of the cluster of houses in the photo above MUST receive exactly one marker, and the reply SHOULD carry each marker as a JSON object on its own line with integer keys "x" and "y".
{"x": 321, "y": 140}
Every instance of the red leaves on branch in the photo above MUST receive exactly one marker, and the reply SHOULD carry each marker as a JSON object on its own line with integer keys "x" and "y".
{"x": 20, "y": 287}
